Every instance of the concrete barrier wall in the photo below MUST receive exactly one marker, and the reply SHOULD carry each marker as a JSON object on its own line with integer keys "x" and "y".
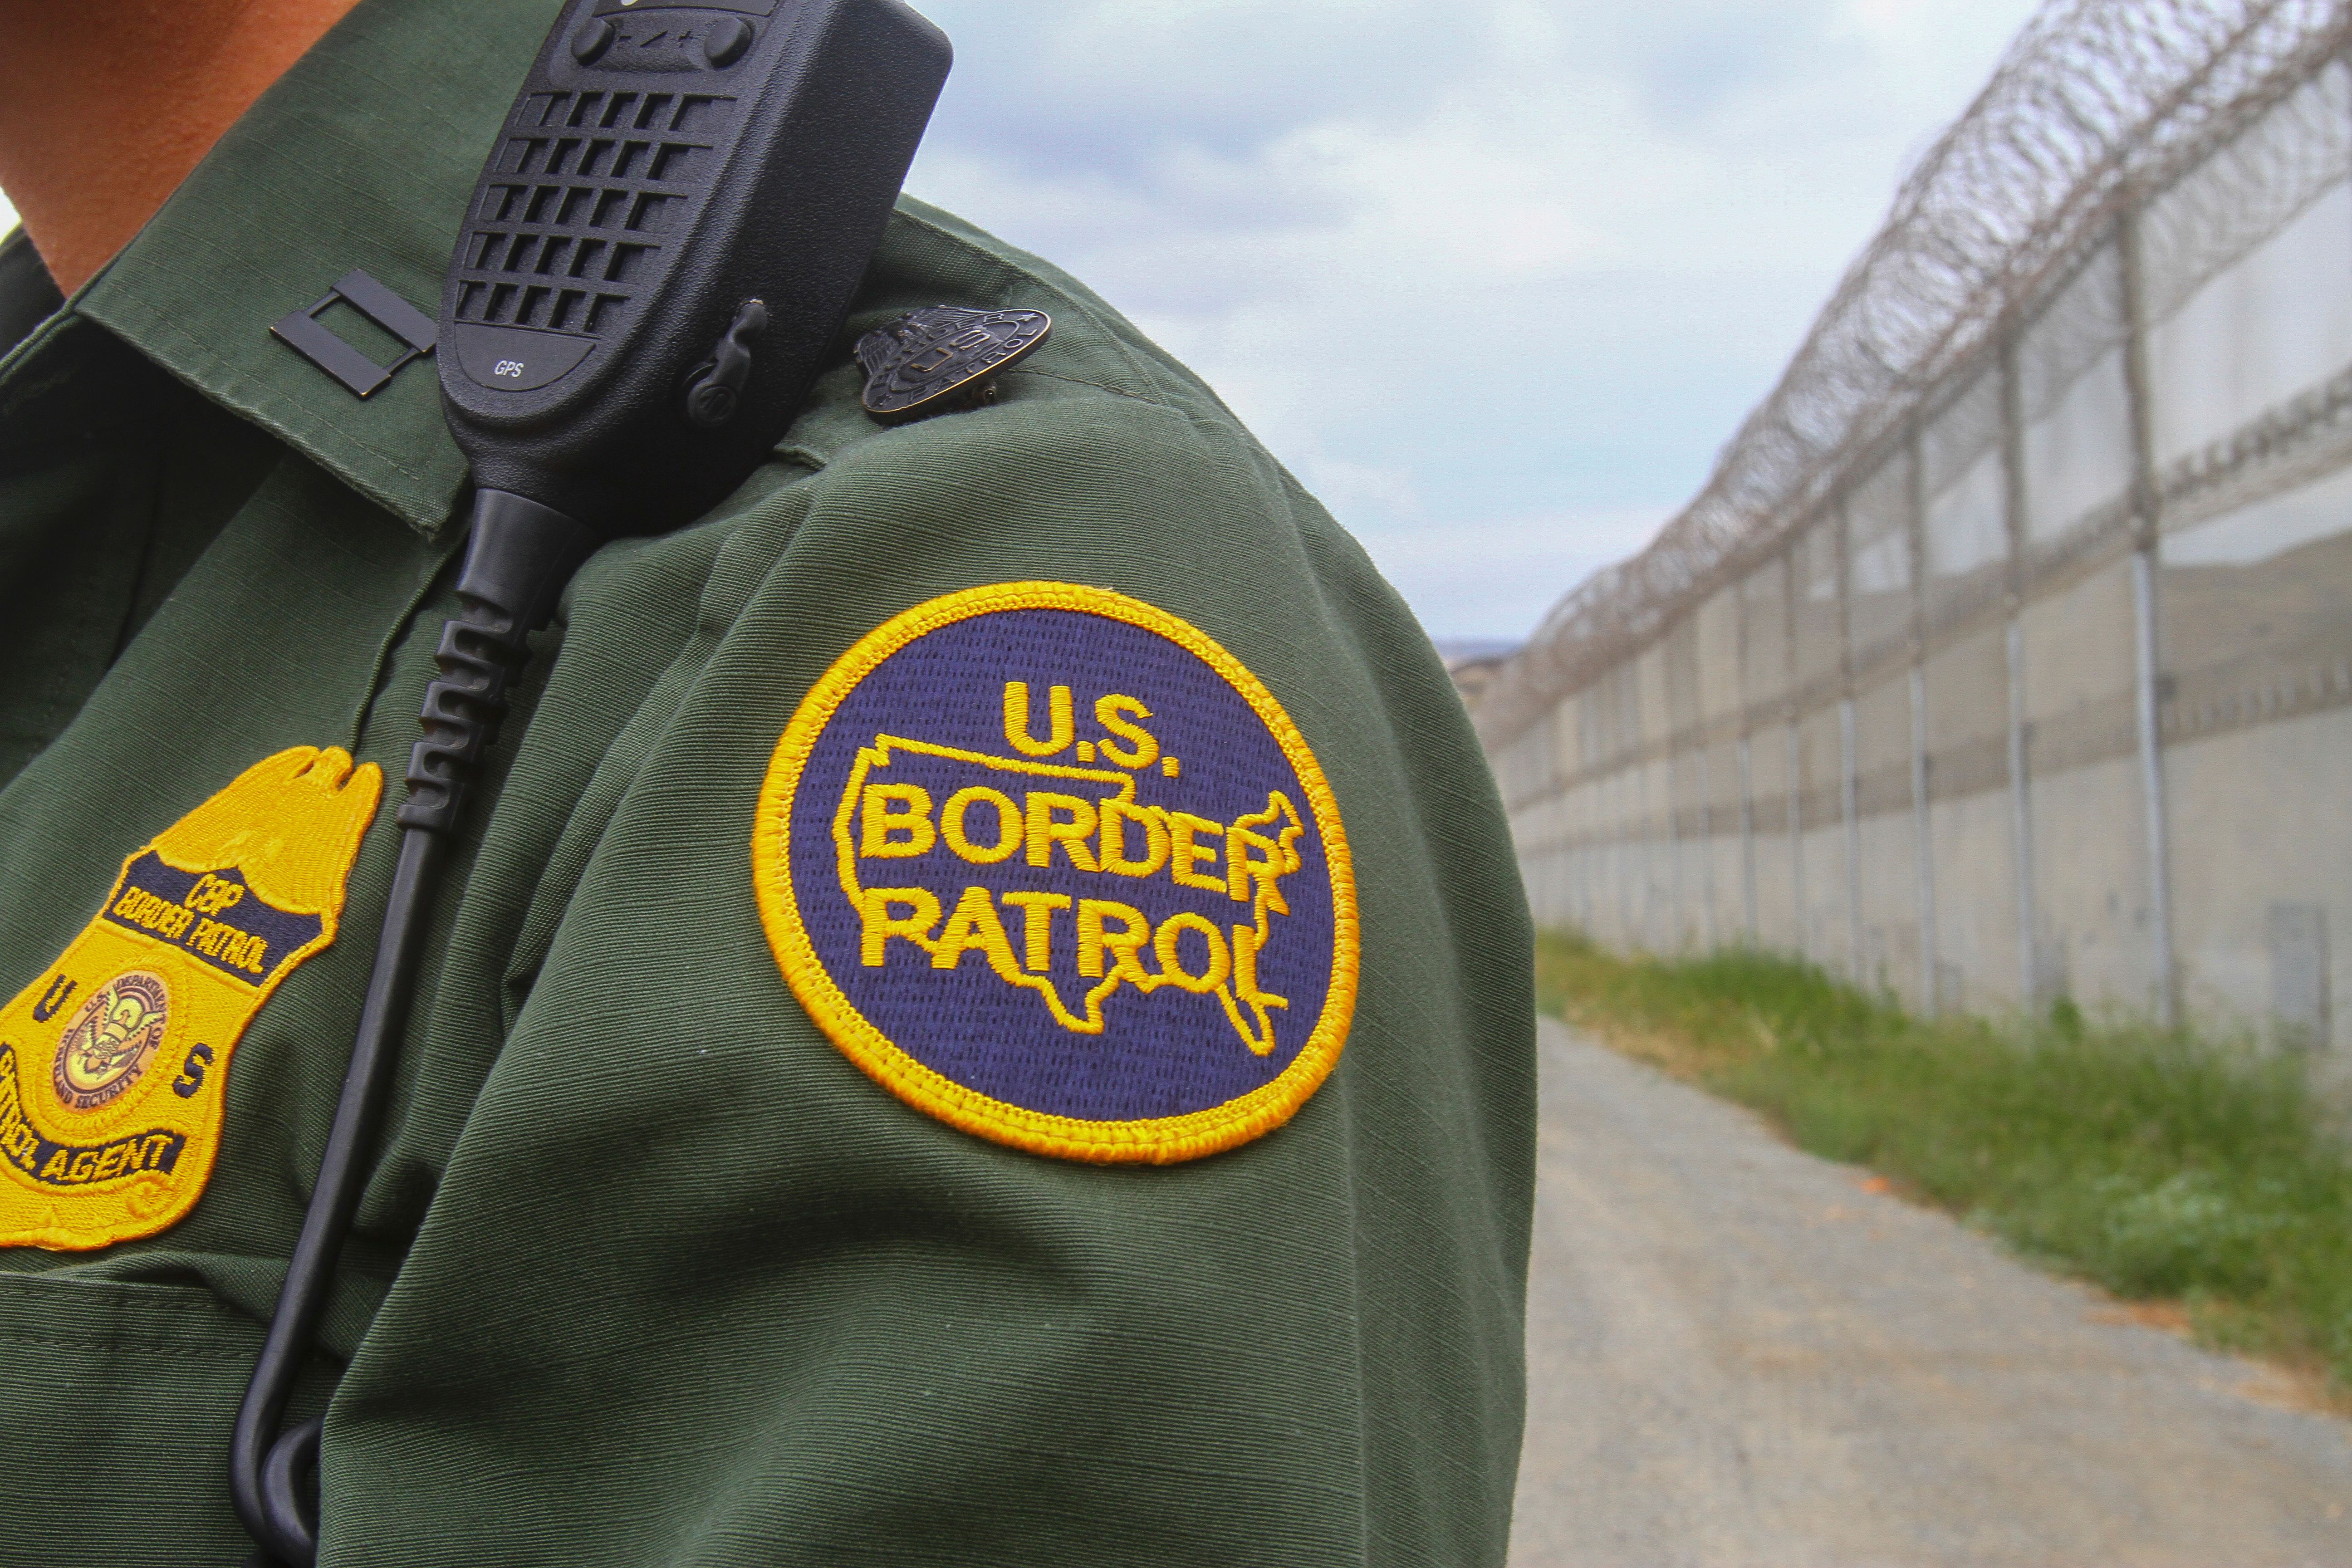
{"x": 2057, "y": 699}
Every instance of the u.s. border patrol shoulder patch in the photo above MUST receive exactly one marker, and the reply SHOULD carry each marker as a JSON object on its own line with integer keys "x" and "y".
{"x": 1050, "y": 865}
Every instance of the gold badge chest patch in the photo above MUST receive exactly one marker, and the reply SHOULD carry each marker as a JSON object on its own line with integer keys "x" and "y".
{"x": 114, "y": 1060}
{"x": 1050, "y": 865}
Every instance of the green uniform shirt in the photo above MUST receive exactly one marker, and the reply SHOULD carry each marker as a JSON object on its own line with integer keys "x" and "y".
{"x": 647, "y": 1271}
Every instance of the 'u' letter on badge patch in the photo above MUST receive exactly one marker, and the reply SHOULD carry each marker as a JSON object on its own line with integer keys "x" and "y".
{"x": 1050, "y": 865}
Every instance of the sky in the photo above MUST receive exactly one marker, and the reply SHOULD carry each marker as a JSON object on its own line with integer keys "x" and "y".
{"x": 1495, "y": 278}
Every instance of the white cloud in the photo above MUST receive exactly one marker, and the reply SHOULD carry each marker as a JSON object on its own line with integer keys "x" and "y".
{"x": 1512, "y": 569}
{"x": 1494, "y": 278}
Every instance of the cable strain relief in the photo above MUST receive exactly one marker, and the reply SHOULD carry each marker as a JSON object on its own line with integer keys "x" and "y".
{"x": 518, "y": 561}
{"x": 519, "y": 558}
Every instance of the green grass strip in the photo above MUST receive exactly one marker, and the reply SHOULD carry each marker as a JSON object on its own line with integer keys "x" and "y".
{"x": 2157, "y": 1164}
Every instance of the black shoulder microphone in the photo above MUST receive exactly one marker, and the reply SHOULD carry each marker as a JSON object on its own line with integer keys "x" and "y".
{"x": 655, "y": 266}
{"x": 660, "y": 252}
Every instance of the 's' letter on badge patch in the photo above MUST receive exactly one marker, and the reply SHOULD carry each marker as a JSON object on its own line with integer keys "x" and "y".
{"x": 1052, "y": 866}
{"x": 114, "y": 1060}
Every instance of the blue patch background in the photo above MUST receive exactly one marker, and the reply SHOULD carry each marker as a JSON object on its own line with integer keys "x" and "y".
{"x": 1167, "y": 1053}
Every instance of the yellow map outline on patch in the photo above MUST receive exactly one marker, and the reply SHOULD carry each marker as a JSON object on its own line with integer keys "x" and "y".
{"x": 1158, "y": 1140}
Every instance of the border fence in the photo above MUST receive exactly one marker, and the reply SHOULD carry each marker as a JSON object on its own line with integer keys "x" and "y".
{"x": 2007, "y": 654}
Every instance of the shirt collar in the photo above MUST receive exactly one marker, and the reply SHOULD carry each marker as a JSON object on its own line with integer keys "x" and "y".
{"x": 362, "y": 156}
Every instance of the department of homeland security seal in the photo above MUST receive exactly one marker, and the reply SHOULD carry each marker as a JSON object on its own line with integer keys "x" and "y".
{"x": 107, "y": 1046}
{"x": 1050, "y": 865}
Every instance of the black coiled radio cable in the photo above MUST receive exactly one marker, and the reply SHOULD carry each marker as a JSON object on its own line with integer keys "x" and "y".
{"x": 519, "y": 556}
{"x": 575, "y": 437}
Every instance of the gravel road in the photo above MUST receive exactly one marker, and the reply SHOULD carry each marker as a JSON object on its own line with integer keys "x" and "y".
{"x": 1740, "y": 1357}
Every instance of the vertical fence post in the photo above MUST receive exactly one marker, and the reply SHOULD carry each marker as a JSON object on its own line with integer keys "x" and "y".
{"x": 1604, "y": 858}
{"x": 1796, "y": 749}
{"x": 1596, "y": 853}
{"x": 1645, "y": 824}
{"x": 1603, "y": 849}
{"x": 1586, "y": 825}
{"x": 2147, "y": 523}
{"x": 2151, "y": 772}
{"x": 1851, "y": 804}
{"x": 1596, "y": 811}
{"x": 1674, "y": 836}
{"x": 1748, "y": 838}
{"x": 1604, "y": 789}
{"x": 1596, "y": 829}
{"x": 1923, "y": 832}
{"x": 1560, "y": 874}
{"x": 1657, "y": 879}
{"x": 1747, "y": 770}
{"x": 2021, "y": 798}
{"x": 1622, "y": 785}
{"x": 1582, "y": 818}
{"x": 1572, "y": 857}
{"x": 1611, "y": 907}
{"x": 1562, "y": 809}
{"x": 1637, "y": 856}
{"x": 1922, "y": 850}
{"x": 1850, "y": 779}
{"x": 1637, "y": 860}
{"x": 1645, "y": 829}
{"x": 1797, "y": 836}
{"x": 1637, "y": 811}
{"x": 1556, "y": 815}
{"x": 1706, "y": 838}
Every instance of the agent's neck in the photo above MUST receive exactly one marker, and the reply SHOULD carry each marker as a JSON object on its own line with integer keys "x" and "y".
{"x": 105, "y": 109}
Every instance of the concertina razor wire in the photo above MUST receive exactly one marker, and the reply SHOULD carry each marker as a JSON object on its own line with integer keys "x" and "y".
{"x": 2099, "y": 109}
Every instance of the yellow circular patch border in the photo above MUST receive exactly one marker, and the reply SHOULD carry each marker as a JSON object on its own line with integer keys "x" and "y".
{"x": 1161, "y": 1141}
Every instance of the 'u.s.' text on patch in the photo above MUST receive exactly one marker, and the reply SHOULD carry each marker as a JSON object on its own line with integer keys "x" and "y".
{"x": 1050, "y": 865}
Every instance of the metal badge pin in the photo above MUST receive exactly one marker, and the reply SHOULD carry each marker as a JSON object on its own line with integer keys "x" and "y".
{"x": 942, "y": 359}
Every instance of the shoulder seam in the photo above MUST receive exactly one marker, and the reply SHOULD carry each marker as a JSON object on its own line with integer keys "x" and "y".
{"x": 1082, "y": 381}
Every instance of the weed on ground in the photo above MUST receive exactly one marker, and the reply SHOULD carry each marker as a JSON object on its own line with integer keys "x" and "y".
{"x": 2157, "y": 1164}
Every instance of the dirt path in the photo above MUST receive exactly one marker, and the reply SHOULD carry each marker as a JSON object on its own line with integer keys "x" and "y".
{"x": 1740, "y": 1357}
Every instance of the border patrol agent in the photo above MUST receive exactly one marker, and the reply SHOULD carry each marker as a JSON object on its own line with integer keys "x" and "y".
{"x": 982, "y": 1015}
